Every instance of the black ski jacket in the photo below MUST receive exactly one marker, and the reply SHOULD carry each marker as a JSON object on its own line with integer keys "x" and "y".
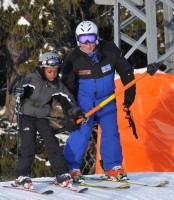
{"x": 93, "y": 77}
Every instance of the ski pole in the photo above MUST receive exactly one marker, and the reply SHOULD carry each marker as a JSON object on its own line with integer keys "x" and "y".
{"x": 151, "y": 69}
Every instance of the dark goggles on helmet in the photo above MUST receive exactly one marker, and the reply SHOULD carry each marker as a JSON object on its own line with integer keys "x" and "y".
{"x": 91, "y": 38}
{"x": 52, "y": 62}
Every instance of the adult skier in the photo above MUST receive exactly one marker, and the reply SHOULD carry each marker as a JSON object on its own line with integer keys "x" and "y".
{"x": 88, "y": 72}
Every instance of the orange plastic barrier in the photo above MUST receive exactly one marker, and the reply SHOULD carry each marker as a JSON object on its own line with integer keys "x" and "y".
{"x": 153, "y": 114}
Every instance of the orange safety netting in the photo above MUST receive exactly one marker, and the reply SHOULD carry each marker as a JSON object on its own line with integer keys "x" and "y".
{"x": 153, "y": 114}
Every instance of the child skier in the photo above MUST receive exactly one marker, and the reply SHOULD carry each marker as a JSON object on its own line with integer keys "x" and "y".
{"x": 36, "y": 92}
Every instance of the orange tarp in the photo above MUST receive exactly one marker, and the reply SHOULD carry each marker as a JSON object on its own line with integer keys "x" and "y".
{"x": 153, "y": 114}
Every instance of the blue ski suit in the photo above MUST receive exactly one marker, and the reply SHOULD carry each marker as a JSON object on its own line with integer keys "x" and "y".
{"x": 90, "y": 78}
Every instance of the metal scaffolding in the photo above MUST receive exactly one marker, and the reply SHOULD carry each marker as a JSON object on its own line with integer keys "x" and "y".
{"x": 146, "y": 11}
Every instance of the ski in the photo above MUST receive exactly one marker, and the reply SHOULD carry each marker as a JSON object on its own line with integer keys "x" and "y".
{"x": 160, "y": 184}
{"x": 96, "y": 185}
{"x": 121, "y": 186}
{"x": 72, "y": 189}
{"x": 43, "y": 181}
{"x": 104, "y": 178}
{"x": 46, "y": 192}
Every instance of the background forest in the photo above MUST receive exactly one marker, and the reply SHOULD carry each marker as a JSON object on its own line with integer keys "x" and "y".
{"x": 31, "y": 27}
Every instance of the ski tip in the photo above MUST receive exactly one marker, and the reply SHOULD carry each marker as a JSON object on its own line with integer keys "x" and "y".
{"x": 166, "y": 182}
{"x": 82, "y": 190}
{"x": 48, "y": 192}
{"x": 163, "y": 183}
{"x": 124, "y": 186}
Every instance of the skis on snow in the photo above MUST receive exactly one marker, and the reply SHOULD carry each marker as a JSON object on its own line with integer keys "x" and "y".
{"x": 104, "y": 178}
{"x": 73, "y": 189}
{"x": 46, "y": 192}
{"x": 84, "y": 182}
{"x": 118, "y": 187}
{"x": 85, "y": 185}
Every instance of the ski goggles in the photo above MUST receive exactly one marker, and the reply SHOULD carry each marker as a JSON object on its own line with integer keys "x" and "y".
{"x": 53, "y": 62}
{"x": 91, "y": 38}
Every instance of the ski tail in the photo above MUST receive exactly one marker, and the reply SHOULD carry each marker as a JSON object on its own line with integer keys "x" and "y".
{"x": 46, "y": 192}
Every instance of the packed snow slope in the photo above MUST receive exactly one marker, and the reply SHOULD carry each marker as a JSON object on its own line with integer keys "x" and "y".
{"x": 135, "y": 192}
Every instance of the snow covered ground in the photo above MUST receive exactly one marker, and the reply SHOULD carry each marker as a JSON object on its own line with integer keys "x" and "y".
{"x": 135, "y": 192}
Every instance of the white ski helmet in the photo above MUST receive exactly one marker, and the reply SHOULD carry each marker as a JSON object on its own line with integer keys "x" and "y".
{"x": 86, "y": 27}
{"x": 50, "y": 59}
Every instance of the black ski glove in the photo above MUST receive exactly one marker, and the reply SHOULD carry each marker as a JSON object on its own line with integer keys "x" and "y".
{"x": 71, "y": 123}
{"x": 80, "y": 115}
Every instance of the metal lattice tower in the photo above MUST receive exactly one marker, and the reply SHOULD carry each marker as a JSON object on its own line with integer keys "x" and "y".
{"x": 146, "y": 11}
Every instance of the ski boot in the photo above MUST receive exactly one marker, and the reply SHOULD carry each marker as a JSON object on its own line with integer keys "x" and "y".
{"x": 117, "y": 172}
{"x": 23, "y": 181}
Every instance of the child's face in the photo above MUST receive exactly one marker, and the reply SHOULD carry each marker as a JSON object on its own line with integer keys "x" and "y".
{"x": 50, "y": 73}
